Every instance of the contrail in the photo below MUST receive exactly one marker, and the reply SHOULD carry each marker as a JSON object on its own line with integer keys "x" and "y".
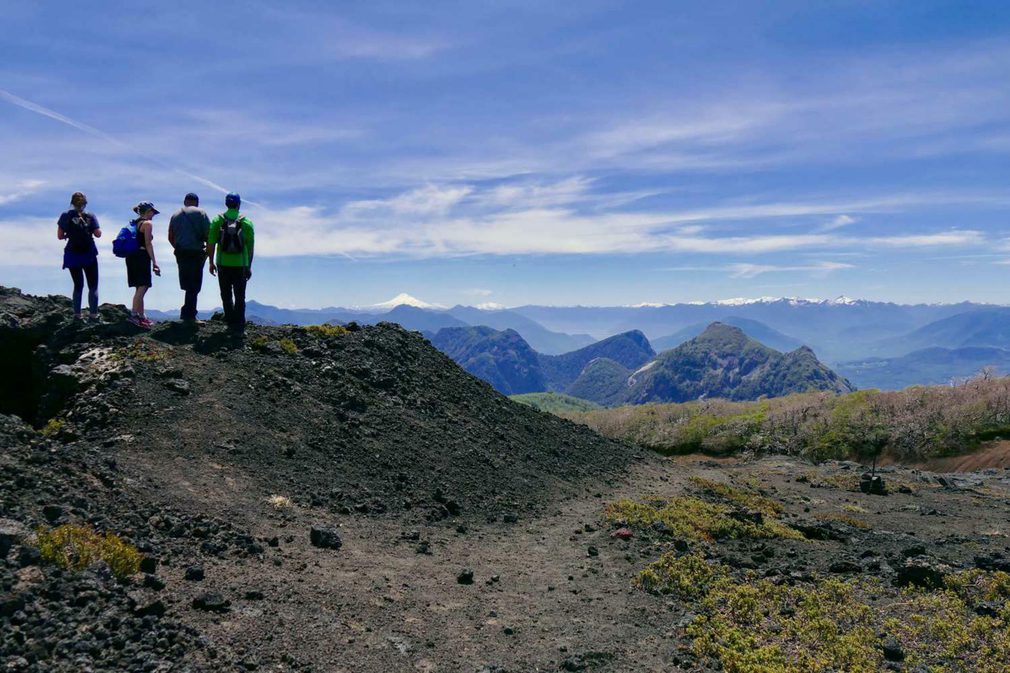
{"x": 92, "y": 131}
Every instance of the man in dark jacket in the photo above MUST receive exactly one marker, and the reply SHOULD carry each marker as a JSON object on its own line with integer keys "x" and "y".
{"x": 187, "y": 232}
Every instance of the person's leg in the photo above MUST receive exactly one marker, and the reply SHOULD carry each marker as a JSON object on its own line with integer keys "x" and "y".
{"x": 227, "y": 304}
{"x": 78, "y": 277}
{"x": 91, "y": 273}
{"x": 240, "y": 283}
{"x": 139, "y": 300}
{"x": 191, "y": 281}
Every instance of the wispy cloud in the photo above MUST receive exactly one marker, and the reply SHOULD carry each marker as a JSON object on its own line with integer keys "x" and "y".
{"x": 102, "y": 135}
{"x": 747, "y": 270}
{"x": 22, "y": 189}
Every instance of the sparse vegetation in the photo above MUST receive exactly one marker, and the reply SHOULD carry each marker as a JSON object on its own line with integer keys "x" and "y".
{"x": 259, "y": 343}
{"x": 288, "y": 346}
{"x": 737, "y": 495}
{"x": 280, "y": 502}
{"x": 52, "y": 427}
{"x": 696, "y": 519}
{"x": 326, "y": 331}
{"x": 555, "y": 403}
{"x": 76, "y": 547}
{"x": 914, "y": 423}
{"x": 142, "y": 351}
{"x": 752, "y": 625}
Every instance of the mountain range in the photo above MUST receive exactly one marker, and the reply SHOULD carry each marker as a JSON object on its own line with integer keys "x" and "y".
{"x": 849, "y": 334}
{"x": 722, "y": 361}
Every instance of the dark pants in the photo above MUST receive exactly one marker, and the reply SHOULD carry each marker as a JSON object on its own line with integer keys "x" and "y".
{"x": 232, "y": 280}
{"x": 79, "y": 274}
{"x": 190, "y": 264}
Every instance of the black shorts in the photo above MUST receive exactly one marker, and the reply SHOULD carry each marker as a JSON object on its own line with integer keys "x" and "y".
{"x": 138, "y": 269}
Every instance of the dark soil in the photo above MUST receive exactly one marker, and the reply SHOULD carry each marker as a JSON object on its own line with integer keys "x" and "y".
{"x": 454, "y": 530}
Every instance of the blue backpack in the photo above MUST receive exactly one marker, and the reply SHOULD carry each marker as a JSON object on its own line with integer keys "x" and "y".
{"x": 126, "y": 243}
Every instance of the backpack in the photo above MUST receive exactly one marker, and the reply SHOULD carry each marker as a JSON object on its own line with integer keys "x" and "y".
{"x": 78, "y": 231}
{"x": 232, "y": 238}
{"x": 126, "y": 243}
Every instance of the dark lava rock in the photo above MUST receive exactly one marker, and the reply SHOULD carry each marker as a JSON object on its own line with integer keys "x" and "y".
{"x": 149, "y": 564}
{"x": 325, "y": 538}
{"x": 53, "y": 513}
{"x": 253, "y": 595}
{"x": 211, "y": 602}
{"x": 194, "y": 573}
{"x": 892, "y": 650}
{"x": 465, "y": 576}
{"x": 592, "y": 551}
{"x": 153, "y": 582}
{"x": 845, "y": 567}
{"x": 11, "y": 533}
{"x": 921, "y": 572}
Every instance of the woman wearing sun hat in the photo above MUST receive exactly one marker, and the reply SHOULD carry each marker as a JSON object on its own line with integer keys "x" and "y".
{"x": 140, "y": 263}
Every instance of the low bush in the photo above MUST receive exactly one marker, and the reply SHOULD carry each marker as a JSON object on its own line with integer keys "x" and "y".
{"x": 751, "y": 625}
{"x": 696, "y": 519}
{"x": 326, "y": 331}
{"x": 52, "y": 428}
{"x": 76, "y": 547}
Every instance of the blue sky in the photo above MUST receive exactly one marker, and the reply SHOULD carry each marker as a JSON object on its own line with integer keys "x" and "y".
{"x": 525, "y": 152}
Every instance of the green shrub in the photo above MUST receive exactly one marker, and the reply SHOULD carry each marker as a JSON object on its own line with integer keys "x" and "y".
{"x": 288, "y": 346}
{"x": 326, "y": 331}
{"x": 689, "y": 577}
{"x": 695, "y": 519}
{"x": 52, "y": 428}
{"x": 75, "y": 547}
{"x": 259, "y": 343}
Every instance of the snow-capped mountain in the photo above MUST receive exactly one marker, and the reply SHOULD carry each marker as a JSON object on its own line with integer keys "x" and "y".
{"x": 404, "y": 299}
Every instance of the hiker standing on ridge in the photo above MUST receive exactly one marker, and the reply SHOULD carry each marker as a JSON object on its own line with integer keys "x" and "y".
{"x": 140, "y": 262}
{"x": 80, "y": 255}
{"x": 231, "y": 235}
{"x": 187, "y": 232}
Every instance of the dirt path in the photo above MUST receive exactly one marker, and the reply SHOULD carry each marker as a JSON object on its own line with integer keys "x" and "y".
{"x": 379, "y": 605}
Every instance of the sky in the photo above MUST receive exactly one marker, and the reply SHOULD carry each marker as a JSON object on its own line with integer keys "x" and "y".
{"x": 511, "y": 152}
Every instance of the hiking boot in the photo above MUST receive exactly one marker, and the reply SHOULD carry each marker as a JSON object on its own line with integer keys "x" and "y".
{"x": 146, "y": 322}
{"x": 94, "y": 317}
{"x": 138, "y": 321}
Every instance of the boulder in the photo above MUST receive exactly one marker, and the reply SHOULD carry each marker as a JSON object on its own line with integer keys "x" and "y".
{"x": 325, "y": 538}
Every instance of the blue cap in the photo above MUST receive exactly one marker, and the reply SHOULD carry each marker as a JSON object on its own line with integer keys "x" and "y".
{"x": 233, "y": 200}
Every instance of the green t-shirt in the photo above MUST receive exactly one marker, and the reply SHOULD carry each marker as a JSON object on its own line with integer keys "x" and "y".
{"x": 248, "y": 237}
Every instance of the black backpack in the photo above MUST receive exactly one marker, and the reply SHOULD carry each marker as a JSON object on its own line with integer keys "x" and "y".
{"x": 78, "y": 231}
{"x": 232, "y": 238}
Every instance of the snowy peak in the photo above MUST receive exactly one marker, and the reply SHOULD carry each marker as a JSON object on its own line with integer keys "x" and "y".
{"x": 404, "y": 299}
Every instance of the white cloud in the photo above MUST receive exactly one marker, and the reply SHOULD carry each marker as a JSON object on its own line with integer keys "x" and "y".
{"x": 21, "y": 189}
{"x": 747, "y": 270}
{"x": 838, "y": 222}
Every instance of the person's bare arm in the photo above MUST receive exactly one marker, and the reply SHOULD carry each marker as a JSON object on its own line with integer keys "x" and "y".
{"x": 60, "y": 233}
{"x": 210, "y": 255}
{"x": 149, "y": 244}
{"x": 97, "y": 233}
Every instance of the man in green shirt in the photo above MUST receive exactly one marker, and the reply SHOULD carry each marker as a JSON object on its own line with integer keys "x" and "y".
{"x": 231, "y": 235}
